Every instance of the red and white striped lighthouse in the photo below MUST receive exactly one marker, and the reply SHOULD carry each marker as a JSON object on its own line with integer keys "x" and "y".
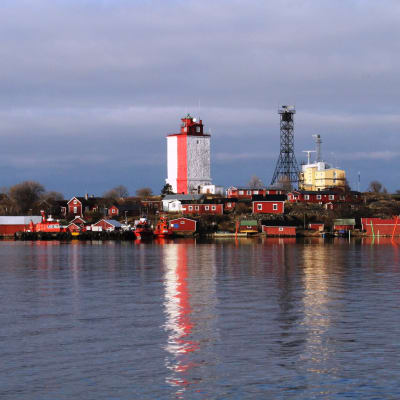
{"x": 188, "y": 157}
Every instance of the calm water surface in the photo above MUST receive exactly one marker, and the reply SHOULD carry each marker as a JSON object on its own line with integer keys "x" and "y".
{"x": 256, "y": 319}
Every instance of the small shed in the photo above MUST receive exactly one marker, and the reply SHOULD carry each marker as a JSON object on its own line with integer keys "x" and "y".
{"x": 248, "y": 226}
{"x": 73, "y": 227}
{"x": 279, "y": 230}
{"x": 183, "y": 225}
{"x": 106, "y": 225}
{"x": 344, "y": 224}
{"x": 316, "y": 226}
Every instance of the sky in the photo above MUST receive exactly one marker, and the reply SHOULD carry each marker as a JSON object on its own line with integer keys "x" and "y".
{"x": 90, "y": 88}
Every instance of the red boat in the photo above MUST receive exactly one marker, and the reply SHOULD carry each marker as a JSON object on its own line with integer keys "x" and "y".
{"x": 162, "y": 228}
{"x": 143, "y": 229}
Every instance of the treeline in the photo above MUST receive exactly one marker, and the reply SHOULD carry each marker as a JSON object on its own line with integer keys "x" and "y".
{"x": 24, "y": 198}
{"x": 30, "y": 197}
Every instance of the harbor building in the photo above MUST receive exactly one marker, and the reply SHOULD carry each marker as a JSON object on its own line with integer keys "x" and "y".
{"x": 319, "y": 175}
{"x": 188, "y": 157}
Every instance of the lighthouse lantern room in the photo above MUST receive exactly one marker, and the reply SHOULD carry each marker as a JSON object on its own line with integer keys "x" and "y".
{"x": 188, "y": 154}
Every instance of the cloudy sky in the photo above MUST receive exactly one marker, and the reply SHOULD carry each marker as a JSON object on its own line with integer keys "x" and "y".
{"x": 90, "y": 88}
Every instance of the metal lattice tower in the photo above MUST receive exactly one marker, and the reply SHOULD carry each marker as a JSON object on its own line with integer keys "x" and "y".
{"x": 287, "y": 170}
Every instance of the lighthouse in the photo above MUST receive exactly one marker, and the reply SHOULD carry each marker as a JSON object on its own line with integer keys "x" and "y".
{"x": 188, "y": 154}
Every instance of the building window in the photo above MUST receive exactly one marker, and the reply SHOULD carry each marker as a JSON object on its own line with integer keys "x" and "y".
{"x": 229, "y": 204}
{"x": 306, "y": 197}
{"x": 255, "y": 192}
{"x": 275, "y": 207}
{"x": 75, "y": 210}
{"x": 196, "y": 208}
{"x": 214, "y": 208}
{"x": 318, "y": 197}
{"x": 280, "y": 229}
{"x": 190, "y": 208}
{"x": 113, "y": 210}
{"x": 259, "y": 207}
{"x": 331, "y": 197}
{"x": 241, "y": 192}
{"x": 249, "y": 192}
{"x": 206, "y": 208}
{"x": 75, "y": 202}
{"x": 197, "y": 130}
{"x": 182, "y": 222}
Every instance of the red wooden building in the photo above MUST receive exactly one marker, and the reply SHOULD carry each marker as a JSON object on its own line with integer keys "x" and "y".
{"x": 9, "y": 225}
{"x": 78, "y": 221}
{"x": 202, "y": 208}
{"x": 273, "y": 204}
{"x": 381, "y": 227}
{"x": 106, "y": 225}
{"x": 344, "y": 225}
{"x": 126, "y": 210}
{"x": 327, "y": 197}
{"x": 248, "y": 226}
{"x": 279, "y": 230}
{"x": 72, "y": 227}
{"x": 316, "y": 226}
{"x": 80, "y": 205}
{"x": 247, "y": 193}
{"x": 183, "y": 225}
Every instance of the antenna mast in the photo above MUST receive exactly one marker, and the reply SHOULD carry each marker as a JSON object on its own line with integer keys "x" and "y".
{"x": 308, "y": 155}
{"x": 318, "y": 142}
{"x": 286, "y": 170}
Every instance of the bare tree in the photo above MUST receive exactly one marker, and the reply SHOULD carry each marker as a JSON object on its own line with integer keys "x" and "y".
{"x": 24, "y": 195}
{"x": 117, "y": 193}
{"x": 52, "y": 196}
{"x": 144, "y": 192}
{"x": 375, "y": 187}
{"x": 255, "y": 182}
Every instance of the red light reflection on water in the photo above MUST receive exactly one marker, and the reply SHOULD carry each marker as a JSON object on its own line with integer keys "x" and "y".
{"x": 179, "y": 323}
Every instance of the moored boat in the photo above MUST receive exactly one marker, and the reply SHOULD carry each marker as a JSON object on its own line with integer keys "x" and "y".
{"x": 142, "y": 229}
{"x": 162, "y": 229}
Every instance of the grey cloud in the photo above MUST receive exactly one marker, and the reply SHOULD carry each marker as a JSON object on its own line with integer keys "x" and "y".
{"x": 108, "y": 79}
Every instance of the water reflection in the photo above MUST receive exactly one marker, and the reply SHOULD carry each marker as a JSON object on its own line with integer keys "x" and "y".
{"x": 319, "y": 349}
{"x": 189, "y": 308}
